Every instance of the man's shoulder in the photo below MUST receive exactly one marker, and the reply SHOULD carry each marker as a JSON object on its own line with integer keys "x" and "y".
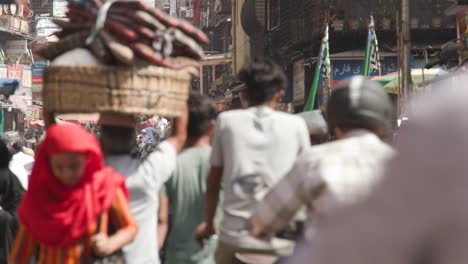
{"x": 347, "y": 146}
{"x": 318, "y": 152}
{"x": 232, "y": 114}
{"x": 121, "y": 160}
{"x": 310, "y": 155}
{"x": 190, "y": 153}
{"x": 188, "y": 165}
{"x": 289, "y": 118}
{"x": 21, "y": 157}
{"x": 240, "y": 113}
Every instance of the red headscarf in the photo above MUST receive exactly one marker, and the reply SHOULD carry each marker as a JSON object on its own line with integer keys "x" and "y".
{"x": 56, "y": 215}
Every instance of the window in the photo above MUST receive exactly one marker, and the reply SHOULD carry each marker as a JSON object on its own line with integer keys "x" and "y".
{"x": 297, "y": 30}
{"x": 273, "y": 14}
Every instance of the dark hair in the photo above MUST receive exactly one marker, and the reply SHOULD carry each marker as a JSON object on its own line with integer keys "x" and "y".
{"x": 116, "y": 140}
{"x": 201, "y": 112}
{"x": 5, "y": 155}
{"x": 18, "y": 146}
{"x": 263, "y": 79}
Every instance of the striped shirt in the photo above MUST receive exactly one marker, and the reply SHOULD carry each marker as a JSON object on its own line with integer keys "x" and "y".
{"x": 25, "y": 247}
{"x": 324, "y": 178}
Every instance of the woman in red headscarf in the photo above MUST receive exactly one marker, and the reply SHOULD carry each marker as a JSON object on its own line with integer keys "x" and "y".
{"x": 70, "y": 194}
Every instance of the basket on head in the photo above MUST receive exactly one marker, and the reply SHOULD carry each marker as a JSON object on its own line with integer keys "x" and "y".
{"x": 148, "y": 90}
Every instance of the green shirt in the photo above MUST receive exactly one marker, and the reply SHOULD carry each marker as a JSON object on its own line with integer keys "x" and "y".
{"x": 186, "y": 192}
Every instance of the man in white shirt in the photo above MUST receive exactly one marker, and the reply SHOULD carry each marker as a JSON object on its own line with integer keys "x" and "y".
{"x": 339, "y": 173}
{"x": 252, "y": 150}
{"x": 317, "y": 126}
{"x": 21, "y": 164}
{"x": 144, "y": 178}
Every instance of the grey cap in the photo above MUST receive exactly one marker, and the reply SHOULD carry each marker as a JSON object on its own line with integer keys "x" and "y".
{"x": 359, "y": 102}
{"x": 315, "y": 122}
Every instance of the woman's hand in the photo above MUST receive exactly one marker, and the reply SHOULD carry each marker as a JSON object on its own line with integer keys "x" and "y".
{"x": 101, "y": 245}
{"x": 104, "y": 245}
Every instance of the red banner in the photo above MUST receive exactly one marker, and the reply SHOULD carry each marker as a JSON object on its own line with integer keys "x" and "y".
{"x": 15, "y": 72}
{"x": 37, "y": 80}
{"x": 196, "y": 13}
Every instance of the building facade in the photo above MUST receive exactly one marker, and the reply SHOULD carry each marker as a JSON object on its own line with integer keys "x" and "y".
{"x": 290, "y": 31}
{"x": 15, "y": 63}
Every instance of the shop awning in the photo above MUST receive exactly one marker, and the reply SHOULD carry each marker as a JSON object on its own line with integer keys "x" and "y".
{"x": 419, "y": 77}
{"x": 79, "y": 118}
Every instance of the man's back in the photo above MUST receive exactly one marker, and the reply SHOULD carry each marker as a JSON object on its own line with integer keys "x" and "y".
{"x": 144, "y": 180}
{"x": 350, "y": 169}
{"x": 186, "y": 192}
{"x": 325, "y": 178}
{"x": 418, "y": 214}
{"x": 21, "y": 165}
{"x": 256, "y": 147}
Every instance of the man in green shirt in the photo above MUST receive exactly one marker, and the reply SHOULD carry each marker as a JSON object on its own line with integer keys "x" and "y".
{"x": 186, "y": 188}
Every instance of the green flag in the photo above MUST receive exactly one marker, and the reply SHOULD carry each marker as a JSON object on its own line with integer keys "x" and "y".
{"x": 1, "y": 122}
{"x": 321, "y": 70}
{"x": 372, "y": 60}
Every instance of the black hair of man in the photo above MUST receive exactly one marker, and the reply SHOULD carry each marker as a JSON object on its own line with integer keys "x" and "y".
{"x": 18, "y": 146}
{"x": 116, "y": 140}
{"x": 5, "y": 155}
{"x": 263, "y": 79}
{"x": 202, "y": 112}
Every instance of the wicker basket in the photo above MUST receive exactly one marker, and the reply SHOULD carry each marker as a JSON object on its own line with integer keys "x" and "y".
{"x": 89, "y": 89}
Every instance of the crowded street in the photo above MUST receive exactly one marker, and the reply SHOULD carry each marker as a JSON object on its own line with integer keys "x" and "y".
{"x": 233, "y": 131}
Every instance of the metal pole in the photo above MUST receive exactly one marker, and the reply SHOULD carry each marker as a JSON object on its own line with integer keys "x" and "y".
{"x": 234, "y": 25}
{"x": 201, "y": 80}
{"x": 406, "y": 43}
{"x": 459, "y": 38}
{"x": 213, "y": 77}
{"x": 398, "y": 35}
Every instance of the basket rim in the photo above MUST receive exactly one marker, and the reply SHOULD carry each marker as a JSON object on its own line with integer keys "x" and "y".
{"x": 99, "y": 69}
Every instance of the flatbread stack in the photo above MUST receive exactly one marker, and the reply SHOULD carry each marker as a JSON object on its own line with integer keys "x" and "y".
{"x": 121, "y": 56}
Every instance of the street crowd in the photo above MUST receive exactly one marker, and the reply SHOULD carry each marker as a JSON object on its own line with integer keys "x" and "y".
{"x": 252, "y": 185}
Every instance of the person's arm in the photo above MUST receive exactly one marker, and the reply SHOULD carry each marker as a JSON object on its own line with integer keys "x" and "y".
{"x": 121, "y": 218}
{"x": 179, "y": 135}
{"x": 303, "y": 137}
{"x": 160, "y": 164}
{"x": 281, "y": 204}
{"x": 213, "y": 188}
{"x": 23, "y": 248}
{"x": 163, "y": 220}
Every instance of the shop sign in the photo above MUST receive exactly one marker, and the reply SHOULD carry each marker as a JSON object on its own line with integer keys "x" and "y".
{"x": 15, "y": 72}
{"x": 16, "y": 47}
{"x": 346, "y": 68}
{"x": 37, "y": 72}
{"x": 26, "y": 81}
{"x": 59, "y": 8}
{"x": 3, "y": 71}
{"x": 36, "y": 113}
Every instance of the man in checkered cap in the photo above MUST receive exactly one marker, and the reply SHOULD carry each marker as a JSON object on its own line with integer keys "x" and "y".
{"x": 335, "y": 174}
{"x": 418, "y": 214}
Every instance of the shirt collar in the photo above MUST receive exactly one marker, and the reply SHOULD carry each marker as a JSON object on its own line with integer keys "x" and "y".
{"x": 359, "y": 133}
{"x": 262, "y": 110}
